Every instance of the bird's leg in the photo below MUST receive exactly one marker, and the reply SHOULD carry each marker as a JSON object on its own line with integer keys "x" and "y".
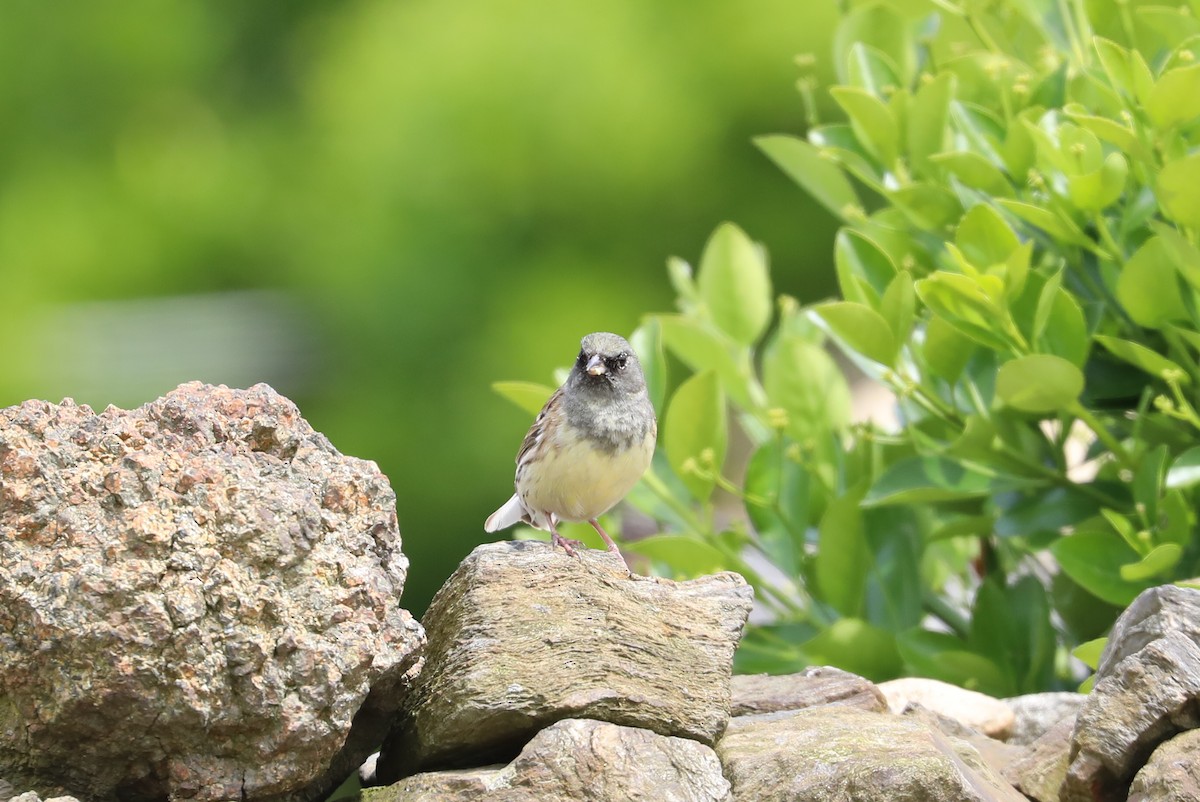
{"x": 611, "y": 545}
{"x": 556, "y": 539}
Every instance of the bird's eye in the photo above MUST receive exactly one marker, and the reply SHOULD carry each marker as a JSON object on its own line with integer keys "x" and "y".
{"x": 620, "y": 360}
{"x": 582, "y": 359}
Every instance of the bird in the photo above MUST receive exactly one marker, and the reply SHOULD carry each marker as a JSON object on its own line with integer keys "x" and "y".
{"x": 587, "y": 448}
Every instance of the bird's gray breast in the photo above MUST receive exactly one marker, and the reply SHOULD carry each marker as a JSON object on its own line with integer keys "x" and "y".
{"x": 611, "y": 423}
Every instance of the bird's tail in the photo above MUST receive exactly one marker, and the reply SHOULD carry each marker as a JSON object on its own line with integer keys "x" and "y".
{"x": 509, "y": 513}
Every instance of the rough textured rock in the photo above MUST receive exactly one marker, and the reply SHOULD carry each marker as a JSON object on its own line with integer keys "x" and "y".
{"x": 1172, "y": 773}
{"x": 822, "y": 685}
{"x": 1040, "y": 773}
{"x": 982, "y": 713}
{"x": 196, "y": 598}
{"x": 522, "y": 635}
{"x": 1154, "y": 613}
{"x": 998, "y": 755}
{"x": 30, "y": 796}
{"x": 1145, "y": 699}
{"x": 578, "y": 760}
{"x": 1038, "y": 712}
{"x": 836, "y": 752}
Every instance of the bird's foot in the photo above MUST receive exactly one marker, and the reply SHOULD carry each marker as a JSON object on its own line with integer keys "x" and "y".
{"x": 568, "y": 545}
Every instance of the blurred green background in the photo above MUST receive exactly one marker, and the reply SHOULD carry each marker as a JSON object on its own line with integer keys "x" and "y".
{"x": 381, "y": 207}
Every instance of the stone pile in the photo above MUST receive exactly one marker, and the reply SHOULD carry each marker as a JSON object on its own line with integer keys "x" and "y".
{"x": 199, "y": 601}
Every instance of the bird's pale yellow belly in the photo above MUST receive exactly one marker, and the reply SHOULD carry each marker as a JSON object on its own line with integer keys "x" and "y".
{"x": 578, "y": 482}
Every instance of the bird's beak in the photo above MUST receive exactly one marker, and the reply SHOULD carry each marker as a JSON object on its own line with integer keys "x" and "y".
{"x": 595, "y": 366}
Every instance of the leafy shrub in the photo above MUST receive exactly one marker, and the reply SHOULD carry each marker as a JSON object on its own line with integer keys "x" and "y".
{"x": 1019, "y": 187}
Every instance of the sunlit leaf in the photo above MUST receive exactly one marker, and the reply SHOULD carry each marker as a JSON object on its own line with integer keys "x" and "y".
{"x": 529, "y": 396}
{"x": 694, "y": 434}
{"x": 861, "y": 328}
{"x": 1039, "y": 383}
{"x": 734, "y": 284}
{"x": 819, "y": 177}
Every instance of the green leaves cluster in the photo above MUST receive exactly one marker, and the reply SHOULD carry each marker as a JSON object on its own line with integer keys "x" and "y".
{"x": 1019, "y": 262}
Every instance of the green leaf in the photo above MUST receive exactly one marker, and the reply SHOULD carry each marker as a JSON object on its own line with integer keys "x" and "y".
{"x": 777, "y": 503}
{"x": 1094, "y": 560}
{"x": 819, "y": 177}
{"x": 854, "y": 645}
{"x": 898, "y": 306}
{"x": 946, "y": 350}
{"x": 881, "y": 27}
{"x": 858, "y": 256}
{"x": 1039, "y": 383}
{"x": 974, "y": 171}
{"x": 860, "y": 328}
{"x": 1090, "y": 652}
{"x": 694, "y": 433}
{"x": 1154, "y": 565}
{"x": 872, "y": 121}
{"x": 529, "y": 396}
{"x": 1115, "y": 61}
{"x": 701, "y": 347}
{"x": 927, "y": 120}
{"x": 1064, "y": 329}
{"x": 1175, "y": 97}
{"x": 647, "y": 342}
{"x": 735, "y": 285}
{"x": 1183, "y": 255}
{"x": 1185, "y": 470}
{"x": 1097, "y": 189}
{"x": 984, "y": 238}
{"x": 940, "y": 656}
{"x": 870, "y": 69}
{"x": 895, "y": 585}
{"x": 922, "y": 480}
{"x": 1054, "y": 225}
{"x": 1178, "y": 190}
{"x": 803, "y": 380}
{"x": 963, "y": 303}
{"x": 1147, "y": 287}
{"x": 928, "y": 206}
{"x": 1141, "y": 357}
{"x": 686, "y": 556}
{"x": 842, "y": 555}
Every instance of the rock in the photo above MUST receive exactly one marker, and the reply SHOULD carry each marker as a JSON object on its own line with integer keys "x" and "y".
{"x": 30, "y": 796}
{"x": 197, "y": 599}
{"x": 578, "y": 759}
{"x": 998, "y": 755}
{"x": 1145, "y": 699}
{"x": 1173, "y": 772}
{"x": 1155, "y": 612}
{"x": 838, "y": 752}
{"x": 977, "y": 711}
{"x": 522, "y": 635}
{"x": 1040, "y": 773}
{"x": 1038, "y": 712}
{"x": 824, "y": 685}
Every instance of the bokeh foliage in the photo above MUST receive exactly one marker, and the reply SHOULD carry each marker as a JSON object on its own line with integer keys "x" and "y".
{"x": 1019, "y": 262}
{"x": 377, "y": 207}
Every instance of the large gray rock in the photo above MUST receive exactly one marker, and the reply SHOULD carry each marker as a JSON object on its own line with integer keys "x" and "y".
{"x": 579, "y": 760}
{"x": 1143, "y": 700}
{"x": 837, "y": 752}
{"x": 521, "y": 635}
{"x": 1173, "y": 772}
{"x": 1154, "y": 613}
{"x": 822, "y": 685}
{"x": 197, "y": 599}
